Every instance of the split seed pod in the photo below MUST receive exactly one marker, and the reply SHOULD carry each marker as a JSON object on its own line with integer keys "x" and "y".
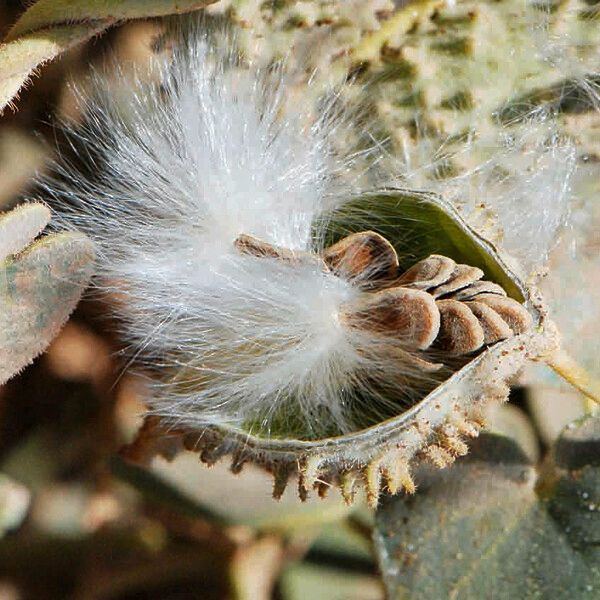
{"x": 286, "y": 317}
{"x": 468, "y": 330}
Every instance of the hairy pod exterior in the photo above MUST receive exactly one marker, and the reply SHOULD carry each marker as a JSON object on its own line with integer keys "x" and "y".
{"x": 380, "y": 456}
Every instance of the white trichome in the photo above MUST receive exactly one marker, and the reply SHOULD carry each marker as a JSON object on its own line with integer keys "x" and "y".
{"x": 172, "y": 177}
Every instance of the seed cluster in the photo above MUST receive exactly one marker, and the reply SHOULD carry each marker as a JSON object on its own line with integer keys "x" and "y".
{"x": 436, "y": 305}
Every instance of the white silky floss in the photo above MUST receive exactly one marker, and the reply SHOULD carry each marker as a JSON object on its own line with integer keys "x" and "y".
{"x": 184, "y": 169}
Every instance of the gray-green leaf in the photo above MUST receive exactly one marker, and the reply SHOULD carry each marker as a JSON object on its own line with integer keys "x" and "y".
{"x": 39, "y": 287}
{"x": 492, "y": 528}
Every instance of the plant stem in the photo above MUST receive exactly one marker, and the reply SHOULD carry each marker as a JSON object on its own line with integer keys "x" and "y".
{"x": 566, "y": 367}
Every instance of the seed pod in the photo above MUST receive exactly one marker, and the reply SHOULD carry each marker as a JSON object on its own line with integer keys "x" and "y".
{"x": 489, "y": 321}
{"x": 334, "y": 368}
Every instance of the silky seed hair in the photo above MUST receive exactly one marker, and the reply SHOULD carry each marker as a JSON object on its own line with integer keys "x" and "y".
{"x": 171, "y": 178}
{"x": 174, "y": 178}
{"x": 515, "y": 184}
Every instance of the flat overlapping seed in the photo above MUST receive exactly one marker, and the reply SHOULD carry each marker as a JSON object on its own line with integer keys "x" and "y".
{"x": 460, "y": 330}
{"x": 253, "y": 246}
{"x": 516, "y": 316}
{"x": 408, "y": 315}
{"x": 476, "y": 288}
{"x": 462, "y": 276}
{"x": 248, "y": 244}
{"x": 436, "y": 301}
{"x": 362, "y": 257}
{"x": 495, "y": 328}
{"x": 428, "y": 273}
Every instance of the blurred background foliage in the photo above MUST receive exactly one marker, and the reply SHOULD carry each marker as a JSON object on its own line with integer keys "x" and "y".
{"x": 78, "y": 522}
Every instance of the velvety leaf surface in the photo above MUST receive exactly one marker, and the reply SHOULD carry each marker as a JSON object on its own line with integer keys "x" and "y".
{"x": 39, "y": 288}
{"x": 20, "y": 226}
{"x": 491, "y": 527}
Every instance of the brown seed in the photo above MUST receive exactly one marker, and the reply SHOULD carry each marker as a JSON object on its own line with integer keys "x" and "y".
{"x": 495, "y": 328}
{"x": 253, "y": 246}
{"x": 478, "y": 287}
{"x": 248, "y": 244}
{"x": 410, "y": 316}
{"x": 516, "y": 316}
{"x": 365, "y": 256}
{"x": 462, "y": 276}
{"x": 460, "y": 331}
{"x": 427, "y": 273}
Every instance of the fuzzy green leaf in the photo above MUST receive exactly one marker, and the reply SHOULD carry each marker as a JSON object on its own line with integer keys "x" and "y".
{"x": 21, "y": 57}
{"x": 20, "y": 226}
{"x": 491, "y": 527}
{"x": 50, "y": 27}
{"x": 39, "y": 288}
{"x": 47, "y": 13}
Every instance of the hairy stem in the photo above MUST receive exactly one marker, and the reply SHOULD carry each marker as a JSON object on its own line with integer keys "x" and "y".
{"x": 565, "y": 365}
